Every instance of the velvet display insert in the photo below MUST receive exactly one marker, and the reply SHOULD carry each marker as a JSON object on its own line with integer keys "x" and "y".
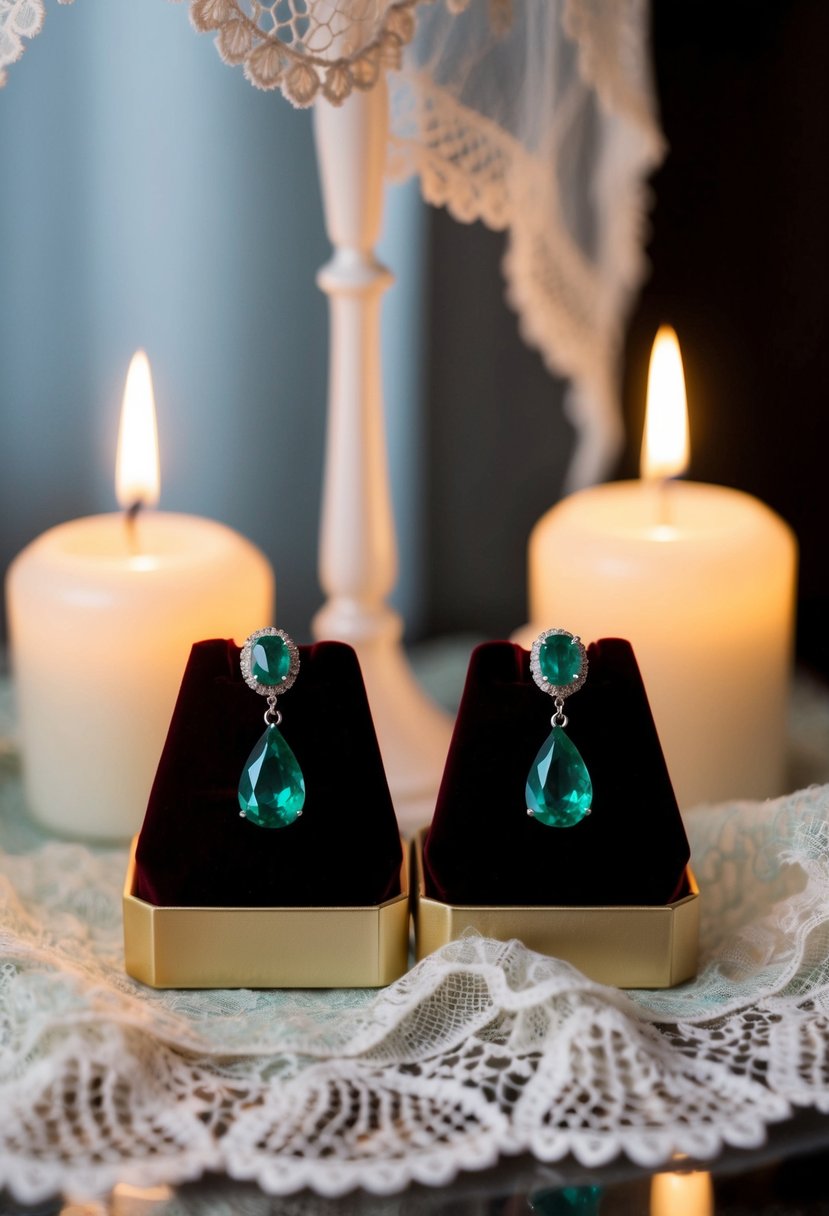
{"x": 483, "y": 848}
{"x": 195, "y": 850}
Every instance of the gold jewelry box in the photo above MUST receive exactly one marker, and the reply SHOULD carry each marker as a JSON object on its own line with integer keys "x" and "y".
{"x": 628, "y": 947}
{"x": 363, "y": 947}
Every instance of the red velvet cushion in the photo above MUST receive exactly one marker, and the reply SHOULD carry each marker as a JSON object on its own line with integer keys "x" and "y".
{"x": 483, "y": 848}
{"x": 195, "y": 850}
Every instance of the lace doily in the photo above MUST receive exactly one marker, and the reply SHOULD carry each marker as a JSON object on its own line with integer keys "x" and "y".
{"x": 536, "y": 118}
{"x": 483, "y": 1049}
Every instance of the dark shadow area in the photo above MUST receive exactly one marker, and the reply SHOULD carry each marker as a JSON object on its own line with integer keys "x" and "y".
{"x": 740, "y": 262}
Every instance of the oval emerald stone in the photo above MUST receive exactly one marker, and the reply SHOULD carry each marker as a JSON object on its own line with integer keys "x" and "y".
{"x": 272, "y": 787}
{"x": 559, "y": 658}
{"x": 270, "y": 660}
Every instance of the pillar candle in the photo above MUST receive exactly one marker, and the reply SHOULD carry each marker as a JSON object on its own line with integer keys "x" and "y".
{"x": 687, "y": 1194}
{"x": 102, "y": 614}
{"x": 701, "y": 580}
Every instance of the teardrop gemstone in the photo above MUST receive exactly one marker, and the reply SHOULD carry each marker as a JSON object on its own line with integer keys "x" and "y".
{"x": 272, "y": 787}
{"x": 559, "y": 791}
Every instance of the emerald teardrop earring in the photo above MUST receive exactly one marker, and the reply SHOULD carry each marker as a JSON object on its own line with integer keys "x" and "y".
{"x": 272, "y": 787}
{"x": 559, "y": 791}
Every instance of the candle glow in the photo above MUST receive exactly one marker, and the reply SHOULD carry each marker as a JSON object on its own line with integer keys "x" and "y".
{"x": 665, "y": 443}
{"x": 137, "y": 475}
{"x": 700, "y": 579}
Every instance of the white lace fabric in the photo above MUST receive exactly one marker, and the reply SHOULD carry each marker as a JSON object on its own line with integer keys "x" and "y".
{"x": 481, "y": 1050}
{"x": 304, "y": 48}
{"x": 540, "y": 120}
{"x": 324, "y": 48}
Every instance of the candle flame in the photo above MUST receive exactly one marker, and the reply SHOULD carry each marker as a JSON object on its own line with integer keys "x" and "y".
{"x": 137, "y": 477}
{"x": 665, "y": 444}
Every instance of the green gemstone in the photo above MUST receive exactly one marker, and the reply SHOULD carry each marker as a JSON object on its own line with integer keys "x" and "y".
{"x": 559, "y": 790}
{"x": 571, "y": 1201}
{"x": 272, "y": 788}
{"x": 559, "y": 658}
{"x": 270, "y": 659}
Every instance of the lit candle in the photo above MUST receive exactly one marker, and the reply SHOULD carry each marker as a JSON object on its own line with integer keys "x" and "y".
{"x": 686, "y": 1194}
{"x": 102, "y": 614}
{"x": 700, "y": 579}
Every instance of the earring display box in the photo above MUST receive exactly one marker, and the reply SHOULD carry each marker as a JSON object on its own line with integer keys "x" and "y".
{"x": 336, "y": 947}
{"x": 628, "y": 947}
{"x": 214, "y": 900}
{"x": 610, "y": 891}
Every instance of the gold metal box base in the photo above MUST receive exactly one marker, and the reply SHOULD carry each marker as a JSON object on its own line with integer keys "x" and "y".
{"x": 628, "y": 947}
{"x": 364, "y": 947}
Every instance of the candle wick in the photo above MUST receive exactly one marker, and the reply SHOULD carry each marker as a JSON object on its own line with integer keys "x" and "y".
{"x": 130, "y": 518}
{"x": 664, "y": 504}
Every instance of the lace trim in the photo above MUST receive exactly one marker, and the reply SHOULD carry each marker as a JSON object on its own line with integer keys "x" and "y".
{"x": 330, "y": 47}
{"x": 19, "y": 19}
{"x": 569, "y": 306}
{"x": 574, "y": 252}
